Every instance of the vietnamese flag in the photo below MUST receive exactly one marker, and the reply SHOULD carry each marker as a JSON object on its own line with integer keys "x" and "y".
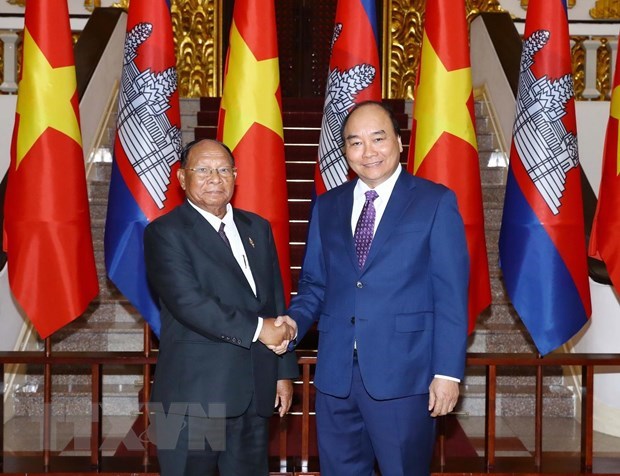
{"x": 605, "y": 236}
{"x": 250, "y": 121}
{"x": 443, "y": 137}
{"x": 47, "y": 224}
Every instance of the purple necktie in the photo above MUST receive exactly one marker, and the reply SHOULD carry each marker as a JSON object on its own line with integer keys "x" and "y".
{"x": 365, "y": 228}
{"x": 222, "y": 233}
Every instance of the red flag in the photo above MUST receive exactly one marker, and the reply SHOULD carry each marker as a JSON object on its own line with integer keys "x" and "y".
{"x": 443, "y": 137}
{"x": 354, "y": 76}
{"x": 605, "y": 236}
{"x": 48, "y": 239}
{"x": 250, "y": 121}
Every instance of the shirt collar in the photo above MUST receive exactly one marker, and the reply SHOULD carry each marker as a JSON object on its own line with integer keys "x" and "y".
{"x": 215, "y": 222}
{"x": 384, "y": 189}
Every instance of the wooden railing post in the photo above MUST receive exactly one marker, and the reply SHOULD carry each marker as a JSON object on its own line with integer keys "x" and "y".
{"x": 489, "y": 417}
{"x": 538, "y": 416}
{"x": 305, "y": 418}
{"x": 47, "y": 404}
{"x": 146, "y": 385}
{"x": 2, "y": 390}
{"x": 587, "y": 416}
{"x": 96, "y": 416}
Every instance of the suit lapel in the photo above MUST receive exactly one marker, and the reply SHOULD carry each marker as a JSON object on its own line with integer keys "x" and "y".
{"x": 343, "y": 226}
{"x": 401, "y": 198}
{"x": 251, "y": 244}
{"x": 209, "y": 242}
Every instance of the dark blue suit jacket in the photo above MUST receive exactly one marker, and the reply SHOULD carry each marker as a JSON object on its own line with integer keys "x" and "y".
{"x": 406, "y": 309}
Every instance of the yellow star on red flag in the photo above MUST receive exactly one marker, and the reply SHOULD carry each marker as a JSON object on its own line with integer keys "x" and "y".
{"x": 245, "y": 76}
{"x": 44, "y": 99}
{"x": 441, "y": 104}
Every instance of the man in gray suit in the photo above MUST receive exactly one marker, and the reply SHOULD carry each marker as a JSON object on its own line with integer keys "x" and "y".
{"x": 216, "y": 272}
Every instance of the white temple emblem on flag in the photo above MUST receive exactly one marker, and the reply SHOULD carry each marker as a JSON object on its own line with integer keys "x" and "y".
{"x": 547, "y": 150}
{"x": 342, "y": 88}
{"x": 150, "y": 142}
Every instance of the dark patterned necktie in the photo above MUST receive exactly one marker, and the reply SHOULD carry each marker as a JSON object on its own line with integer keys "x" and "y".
{"x": 365, "y": 228}
{"x": 222, "y": 233}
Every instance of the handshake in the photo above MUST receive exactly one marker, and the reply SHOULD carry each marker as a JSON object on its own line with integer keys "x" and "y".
{"x": 277, "y": 333}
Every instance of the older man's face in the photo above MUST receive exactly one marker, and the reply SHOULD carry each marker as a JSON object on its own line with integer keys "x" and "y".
{"x": 208, "y": 192}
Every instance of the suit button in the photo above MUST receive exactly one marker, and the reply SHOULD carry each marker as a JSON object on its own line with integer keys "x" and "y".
{"x": 353, "y": 320}
{"x": 359, "y": 284}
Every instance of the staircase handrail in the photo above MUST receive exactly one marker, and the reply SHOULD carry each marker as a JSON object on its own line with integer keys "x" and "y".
{"x": 307, "y": 359}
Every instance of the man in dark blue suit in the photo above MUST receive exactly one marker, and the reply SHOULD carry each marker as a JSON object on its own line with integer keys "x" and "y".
{"x": 385, "y": 275}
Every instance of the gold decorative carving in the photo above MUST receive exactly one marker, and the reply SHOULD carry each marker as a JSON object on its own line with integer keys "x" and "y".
{"x": 603, "y": 70}
{"x": 571, "y": 4}
{"x": 197, "y": 26}
{"x": 121, "y": 4}
{"x": 578, "y": 65}
{"x": 90, "y": 5}
{"x": 474, "y": 7}
{"x": 402, "y": 41}
{"x": 21, "y": 3}
{"x": 606, "y": 10}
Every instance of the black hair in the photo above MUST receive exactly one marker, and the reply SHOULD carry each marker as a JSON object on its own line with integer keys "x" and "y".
{"x": 383, "y": 106}
{"x": 190, "y": 145}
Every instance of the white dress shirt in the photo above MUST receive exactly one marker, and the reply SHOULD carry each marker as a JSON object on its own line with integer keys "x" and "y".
{"x": 236, "y": 246}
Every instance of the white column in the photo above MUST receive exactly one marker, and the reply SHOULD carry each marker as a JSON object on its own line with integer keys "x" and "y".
{"x": 591, "y": 46}
{"x": 9, "y": 38}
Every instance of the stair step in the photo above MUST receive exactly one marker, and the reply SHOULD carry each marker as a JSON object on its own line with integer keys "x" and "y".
{"x": 75, "y": 400}
{"x": 68, "y": 376}
{"x": 99, "y": 336}
{"x": 518, "y": 400}
{"x": 500, "y": 338}
{"x": 514, "y": 376}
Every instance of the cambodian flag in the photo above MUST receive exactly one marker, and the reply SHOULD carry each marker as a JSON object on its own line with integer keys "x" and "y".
{"x": 542, "y": 240}
{"x": 354, "y": 76}
{"x": 147, "y": 147}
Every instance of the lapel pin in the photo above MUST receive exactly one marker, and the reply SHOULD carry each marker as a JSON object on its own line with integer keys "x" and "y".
{"x": 251, "y": 242}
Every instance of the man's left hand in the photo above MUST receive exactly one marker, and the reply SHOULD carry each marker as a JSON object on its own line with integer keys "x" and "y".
{"x": 284, "y": 396}
{"x": 443, "y": 395}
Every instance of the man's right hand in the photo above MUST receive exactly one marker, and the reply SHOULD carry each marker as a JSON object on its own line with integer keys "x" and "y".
{"x": 276, "y": 336}
{"x": 284, "y": 321}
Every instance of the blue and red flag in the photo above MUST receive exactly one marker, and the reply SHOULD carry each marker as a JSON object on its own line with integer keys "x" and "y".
{"x": 147, "y": 148}
{"x": 354, "y": 76}
{"x": 542, "y": 240}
